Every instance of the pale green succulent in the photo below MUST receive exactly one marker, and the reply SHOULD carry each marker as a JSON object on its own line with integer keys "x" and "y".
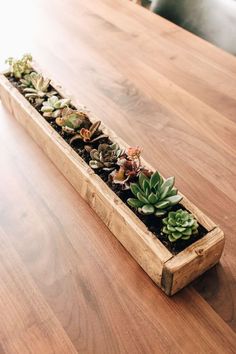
{"x": 154, "y": 195}
{"x": 179, "y": 225}
{"x": 53, "y": 107}
{"x": 105, "y": 156}
{"x": 20, "y": 67}
{"x": 26, "y": 80}
{"x": 39, "y": 89}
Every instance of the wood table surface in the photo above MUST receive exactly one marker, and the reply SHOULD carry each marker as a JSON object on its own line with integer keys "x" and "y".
{"x": 66, "y": 284}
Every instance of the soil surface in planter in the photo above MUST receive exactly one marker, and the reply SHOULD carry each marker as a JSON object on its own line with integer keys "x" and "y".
{"x": 153, "y": 223}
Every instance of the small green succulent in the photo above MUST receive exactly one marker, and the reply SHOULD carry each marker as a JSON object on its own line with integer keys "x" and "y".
{"x": 20, "y": 67}
{"x": 179, "y": 224}
{"x": 154, "y": 195}
{"x": 105, "y": 156}
{"x": 52, "y": 108}
{"x": 70, "y": 121}
{"x": 39, "y": 89}
{"x": 26, "y": 80}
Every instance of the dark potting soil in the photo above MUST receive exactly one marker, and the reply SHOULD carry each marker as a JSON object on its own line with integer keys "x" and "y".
{"x": 153, "y": 223}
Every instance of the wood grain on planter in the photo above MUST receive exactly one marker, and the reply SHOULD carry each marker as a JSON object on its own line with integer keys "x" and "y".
{"x": 169, "y": 272}
{"x": 182, "y": 268}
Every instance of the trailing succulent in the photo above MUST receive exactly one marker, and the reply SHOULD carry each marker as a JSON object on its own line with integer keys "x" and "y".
{"x": 154, "y": 195}
{"x": 39, "y": 90}
{"x": 53, "y": 107}
{"x": 179, "y": 224}
{"x": 20, "y": 67}
{"x": 105, "y": 156}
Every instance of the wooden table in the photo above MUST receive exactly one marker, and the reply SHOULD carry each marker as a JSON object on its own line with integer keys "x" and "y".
{"x": 66, "y": 284}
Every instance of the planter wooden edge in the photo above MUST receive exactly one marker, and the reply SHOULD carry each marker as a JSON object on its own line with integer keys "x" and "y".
{"x": 169, "y": 272}
{"x": 186, "y": 266}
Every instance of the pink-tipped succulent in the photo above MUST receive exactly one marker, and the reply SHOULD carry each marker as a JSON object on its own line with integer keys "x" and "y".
{"x": 133, "y": 153}
{"x": 130, "y": 168}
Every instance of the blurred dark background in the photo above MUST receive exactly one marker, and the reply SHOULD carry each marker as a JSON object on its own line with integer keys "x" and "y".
{"x": 213, "y": 20}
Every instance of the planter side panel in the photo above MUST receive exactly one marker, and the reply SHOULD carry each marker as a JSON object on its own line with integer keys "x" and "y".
{"x": 128, "y": 229}
{"x": 192, "y": 262}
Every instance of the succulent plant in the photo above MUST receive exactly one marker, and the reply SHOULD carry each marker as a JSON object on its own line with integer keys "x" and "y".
{"x": 70, "y": 120}
{"x": 53, "y": 107}
{"x": 127, "y": 171}
{"x": 153, "y": 195}
{"x": 39, "y": 89}
{"x": 20, "y": 67}
{"x": 26, "y": 80}
{"x": 179, "y": 224}
{"x": 105, "y": 156}
{"x": 87, "y": 135}
{"x": 130, "y": 167}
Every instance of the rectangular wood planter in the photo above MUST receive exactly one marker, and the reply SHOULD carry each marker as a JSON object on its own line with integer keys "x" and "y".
{"x": 170, "y": 272}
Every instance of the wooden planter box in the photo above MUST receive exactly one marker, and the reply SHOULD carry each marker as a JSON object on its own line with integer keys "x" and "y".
{"x": 169, "y": 272}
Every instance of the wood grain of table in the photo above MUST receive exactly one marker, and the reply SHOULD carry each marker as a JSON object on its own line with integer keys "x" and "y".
{"x": 66, "y": 284}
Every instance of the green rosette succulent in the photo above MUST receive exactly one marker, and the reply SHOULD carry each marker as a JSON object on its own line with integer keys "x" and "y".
{"x": 154, "y": 195}
{"x": 20, "y": 67}
{"x": 39, "y": 89}
{"x": 179, "y": 225}
{"x": 53, "y": 107}
{"x": 26, "y": 80}
{"x": 105, "y": 156}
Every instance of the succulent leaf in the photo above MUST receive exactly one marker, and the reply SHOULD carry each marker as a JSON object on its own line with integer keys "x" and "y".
{"x": 95, "y": 164}
{"x": 152, "y": 198}
{"x": 163, "y": 204}
{"x": 135, "y": 189}
{"x": 143, "y": 182}
{"x": 141, "y": 197}
{"x": 155, "y": 179}
{"x": 148, "y": 209}
{"x": 169, "y": 183}
{"x": 135, "y": 203}
{"x": 94, "y": 127}
{"x": 159, "y": 212}
{"x": 175, "y": 199}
